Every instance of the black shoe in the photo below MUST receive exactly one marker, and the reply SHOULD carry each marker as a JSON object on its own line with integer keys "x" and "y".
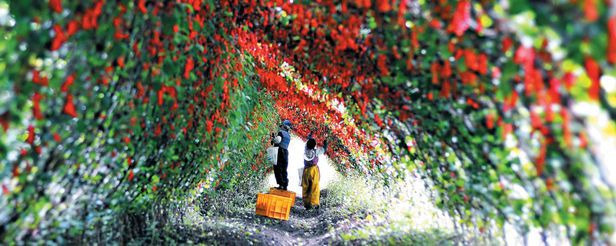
{"x": 283, "y": 188}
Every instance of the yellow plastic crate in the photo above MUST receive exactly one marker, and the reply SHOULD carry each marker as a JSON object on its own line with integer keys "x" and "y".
{"x": 273, "y": 206}
{"x": 285, "y": 193}
{"x": 262, "y": 202}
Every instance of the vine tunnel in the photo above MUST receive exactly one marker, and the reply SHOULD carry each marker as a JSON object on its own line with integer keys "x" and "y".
{"x": 111, "y": 109}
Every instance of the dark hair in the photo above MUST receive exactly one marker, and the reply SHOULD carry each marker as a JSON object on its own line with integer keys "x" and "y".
{"x": 311, "y": 144}
{"x": 286, "y": 127}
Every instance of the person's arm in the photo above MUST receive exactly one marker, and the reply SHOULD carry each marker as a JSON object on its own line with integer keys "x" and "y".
{"x": 325, "y": 145}
{"x": 279, "y": 135}
{"x": 322, "y": 150}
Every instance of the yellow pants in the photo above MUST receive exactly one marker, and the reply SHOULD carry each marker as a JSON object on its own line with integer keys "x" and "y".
{"x": 310, "y": 186}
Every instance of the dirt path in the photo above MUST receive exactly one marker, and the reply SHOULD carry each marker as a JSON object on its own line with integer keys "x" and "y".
{"x": 314, "y": 227}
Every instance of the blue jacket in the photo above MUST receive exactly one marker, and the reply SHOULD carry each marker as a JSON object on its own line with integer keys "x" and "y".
{"x": 286, "y": 139}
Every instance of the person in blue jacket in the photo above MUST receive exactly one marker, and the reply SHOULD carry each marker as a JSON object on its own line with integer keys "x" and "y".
{"x": 280, "y": 170}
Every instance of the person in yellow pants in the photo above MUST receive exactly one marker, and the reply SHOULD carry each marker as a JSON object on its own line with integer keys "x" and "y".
{"x": 311, "y": 176}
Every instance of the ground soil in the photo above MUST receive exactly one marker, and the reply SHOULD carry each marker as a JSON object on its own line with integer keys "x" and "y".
{"x": 321, "y": 226}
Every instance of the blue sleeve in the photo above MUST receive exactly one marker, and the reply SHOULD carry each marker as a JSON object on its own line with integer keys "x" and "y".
{"x": 325, "y": 143}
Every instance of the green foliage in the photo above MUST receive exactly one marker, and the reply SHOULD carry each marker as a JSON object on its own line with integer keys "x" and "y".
{"x": 108, "y": 108}
{"x": 140, "y": 135}
{"x": 356, "y": 195}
